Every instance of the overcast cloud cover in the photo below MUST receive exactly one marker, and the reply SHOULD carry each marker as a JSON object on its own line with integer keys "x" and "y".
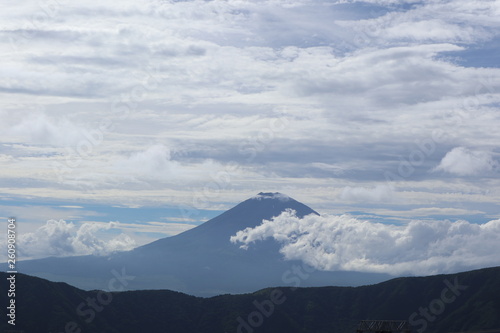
{"x": 387, "y": 110}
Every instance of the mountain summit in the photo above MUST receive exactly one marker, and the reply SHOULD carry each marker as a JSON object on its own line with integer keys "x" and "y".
{"x": 201, "y": 261}
{"x": 215, "y": 233}
{"x": 271, "y": 195}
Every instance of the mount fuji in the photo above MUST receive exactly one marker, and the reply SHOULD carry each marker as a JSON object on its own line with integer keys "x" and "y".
{"x": 201, "y": 261}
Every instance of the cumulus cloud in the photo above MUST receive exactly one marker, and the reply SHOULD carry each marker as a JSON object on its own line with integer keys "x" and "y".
{"x": 61, "y": 238}
{"x": 39, "y": 128}
{"x": 461, "y": 161}
{"x": 346, "y": 243}
{"x": 152, "y": 160}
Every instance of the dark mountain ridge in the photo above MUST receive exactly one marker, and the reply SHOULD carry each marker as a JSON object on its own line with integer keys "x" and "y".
{"x": 443, "y": 303}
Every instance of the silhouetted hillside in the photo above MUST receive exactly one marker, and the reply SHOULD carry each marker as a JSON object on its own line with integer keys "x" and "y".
{"x": 442, "y": 303}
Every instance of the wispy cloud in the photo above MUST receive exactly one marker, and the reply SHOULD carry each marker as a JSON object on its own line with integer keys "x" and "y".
{"x": 380, "y": 193}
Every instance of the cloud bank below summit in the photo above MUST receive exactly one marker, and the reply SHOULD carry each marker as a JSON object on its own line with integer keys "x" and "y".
{"x": 61, "y": 238}
{"x": 346, "y": 243}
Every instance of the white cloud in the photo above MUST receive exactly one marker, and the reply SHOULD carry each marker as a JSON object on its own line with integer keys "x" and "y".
{"x": 432, "y": 21}
{"x": 153, "y": 160}
{"x": 346, "y": 243}
{"x": 156, "y": 163}
{"x": 461, "y": 161}
{"x": 379, "y": 193}
{"x": 60, "y": 238}
{"x": 428, "y": 211}
{"x": 38, "y": 128}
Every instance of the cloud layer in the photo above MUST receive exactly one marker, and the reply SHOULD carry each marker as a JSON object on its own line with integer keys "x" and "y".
{"x": 347, "y": 243}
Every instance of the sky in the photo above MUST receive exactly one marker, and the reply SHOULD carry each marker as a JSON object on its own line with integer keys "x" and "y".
{"x": 125, "y": 123}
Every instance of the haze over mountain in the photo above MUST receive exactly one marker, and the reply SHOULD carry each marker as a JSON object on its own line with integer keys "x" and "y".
{"x": 203, "y": 261}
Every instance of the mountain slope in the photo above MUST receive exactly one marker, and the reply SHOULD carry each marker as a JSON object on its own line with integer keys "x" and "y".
{"x": 201, "y": 261}
{"x": 470, "y": 301}
{"x": 213, "y": 235}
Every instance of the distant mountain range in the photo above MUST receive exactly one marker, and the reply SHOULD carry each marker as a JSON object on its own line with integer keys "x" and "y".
{"x": 436, "y": 304}
{"x": 201, "y": 261}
